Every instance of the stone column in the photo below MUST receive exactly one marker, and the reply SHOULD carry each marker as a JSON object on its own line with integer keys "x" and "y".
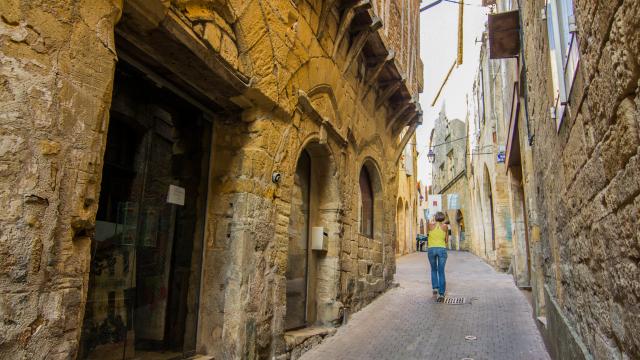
{"x": 57, "y": 65}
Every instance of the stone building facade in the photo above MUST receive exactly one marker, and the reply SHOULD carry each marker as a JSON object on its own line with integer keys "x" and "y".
{"x": 572, "y": 164}
{"x": 449, "y": 178}
{"x": 198, "y": 176}
{"x": 407, "y": 203}
{"x": 490, "y": 203}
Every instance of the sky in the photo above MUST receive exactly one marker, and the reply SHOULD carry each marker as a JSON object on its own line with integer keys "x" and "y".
{"x": 438, "y": 50}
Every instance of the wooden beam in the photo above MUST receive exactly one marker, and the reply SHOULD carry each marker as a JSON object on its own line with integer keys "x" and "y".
{"x": 359, "y": 42}
{"x": 406, "y": 139}
{"x": 417, "y": 117}
{"x": 375, "y": 72}
{"x": 345, "y": 22}
{"x": 388, "y": 91}
{"x": 397, "y": 113}
{"x": 324, "y": 14}
{"x": 443, "y": 83}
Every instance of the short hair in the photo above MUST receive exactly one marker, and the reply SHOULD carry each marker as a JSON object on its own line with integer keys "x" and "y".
{"x": 439, "y": 216}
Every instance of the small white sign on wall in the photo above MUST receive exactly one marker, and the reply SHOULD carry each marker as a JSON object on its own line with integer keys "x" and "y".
{"x": 176, "y": 195}
{"x": 435, "y": 204}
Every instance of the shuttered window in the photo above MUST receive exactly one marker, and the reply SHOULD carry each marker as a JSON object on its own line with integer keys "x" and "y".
{"x": 366, "y": 203}
{"x": 563, "y": 48}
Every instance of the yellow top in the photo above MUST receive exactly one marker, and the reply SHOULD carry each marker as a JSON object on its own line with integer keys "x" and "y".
{"x": 437, "y": 237}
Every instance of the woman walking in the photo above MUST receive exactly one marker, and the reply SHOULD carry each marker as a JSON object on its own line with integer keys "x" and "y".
{"x": 437, "y": 252}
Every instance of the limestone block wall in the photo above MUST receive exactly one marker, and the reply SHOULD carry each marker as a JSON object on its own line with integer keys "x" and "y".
{"x": 57, "y": 63}
{"x": 588, "y": 192}
{"x": 489, "y": 185}
{"x": 407, "y": 223}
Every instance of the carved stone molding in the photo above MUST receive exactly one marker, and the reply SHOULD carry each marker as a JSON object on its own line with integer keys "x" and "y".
{"x": 306, "y": 107}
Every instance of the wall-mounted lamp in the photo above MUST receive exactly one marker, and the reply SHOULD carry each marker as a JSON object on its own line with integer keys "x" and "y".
{"x": 275, "y": 177}
{"x": 431, "y": 156}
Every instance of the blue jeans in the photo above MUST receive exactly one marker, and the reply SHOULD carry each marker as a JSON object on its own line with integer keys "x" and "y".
{"x": 438, "y": 259}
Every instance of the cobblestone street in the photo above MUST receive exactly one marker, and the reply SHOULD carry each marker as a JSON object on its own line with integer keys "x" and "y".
{"x": 405, "y": 323}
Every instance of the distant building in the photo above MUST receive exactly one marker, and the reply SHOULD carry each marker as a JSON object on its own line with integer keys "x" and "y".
{"x": 558, "y": 99}
{"x": 449, "y": 177}
{"x": 488, "y": 179}
{"x": 407, "y": 201}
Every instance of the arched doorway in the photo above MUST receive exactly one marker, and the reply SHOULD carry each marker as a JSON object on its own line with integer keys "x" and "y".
{"x": 400, "y": 227}
{"x": 407, "y": 231}
{"x": 314, "y": 203}
{"x": 373, "y": 235}
{"x": 479, "y": 218}
{"x": 520, "y": 228}
{"x": 460, "y": 231}
{"x": 366, "y": 203}
{"x": 488, "y": 201}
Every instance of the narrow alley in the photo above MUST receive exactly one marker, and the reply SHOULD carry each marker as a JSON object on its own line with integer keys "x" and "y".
{"x": 406, "y": 323}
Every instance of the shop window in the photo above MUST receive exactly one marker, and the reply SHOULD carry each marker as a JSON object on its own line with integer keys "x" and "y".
{"x": 563, "y": 50}
{"x": 366, "y": 203}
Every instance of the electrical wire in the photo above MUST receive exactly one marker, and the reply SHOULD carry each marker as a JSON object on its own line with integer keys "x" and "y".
{"x": 463, "y": 3}
{"x": 449, "y": 142}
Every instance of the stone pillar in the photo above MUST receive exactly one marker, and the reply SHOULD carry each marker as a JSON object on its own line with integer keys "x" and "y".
{"x": 57, "y": 65}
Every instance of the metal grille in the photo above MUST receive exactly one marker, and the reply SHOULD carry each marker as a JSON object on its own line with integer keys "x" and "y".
{"x": 459, "y": 300}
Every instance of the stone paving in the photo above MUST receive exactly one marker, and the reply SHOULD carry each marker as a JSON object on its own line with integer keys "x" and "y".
{"x": 406, "y": 323}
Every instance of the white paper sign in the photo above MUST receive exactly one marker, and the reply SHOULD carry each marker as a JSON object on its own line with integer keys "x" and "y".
{"x": 435, "y": 203}
{"x": 175, "y": 195}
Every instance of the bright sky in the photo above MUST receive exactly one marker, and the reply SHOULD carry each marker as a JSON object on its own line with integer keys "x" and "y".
{"x": 438, "y": 48}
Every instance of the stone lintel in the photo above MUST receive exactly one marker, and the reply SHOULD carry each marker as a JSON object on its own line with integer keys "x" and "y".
{"x": 306, "y": 107}
{"x": 158, "y": 46}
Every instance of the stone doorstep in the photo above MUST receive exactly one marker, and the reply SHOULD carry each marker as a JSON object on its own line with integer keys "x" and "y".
{"x": 201, "y": 357}
{"x": 295, "y": 338}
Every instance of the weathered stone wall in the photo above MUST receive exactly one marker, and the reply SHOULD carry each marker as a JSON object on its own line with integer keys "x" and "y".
{"x": 58, "y": 61}
{"x": 587, "y": 172}
{"x": 489, "y": 183}
{"x": 407, "y": 196}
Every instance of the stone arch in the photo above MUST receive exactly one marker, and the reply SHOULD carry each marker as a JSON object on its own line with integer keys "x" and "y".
{"x": 489, "y": 218}
{"x": 400, "y": 228}
{"x": 319, "y": 76}
{"x": 323, "y": 98}
{"x": 378, "y": 197}
{"x": 407, "y": 225}
{"x": 312, "y": 275}
{"x": 479, "y": 216}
